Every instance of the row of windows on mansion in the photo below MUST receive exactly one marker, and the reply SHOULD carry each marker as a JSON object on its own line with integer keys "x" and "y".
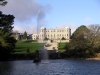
{"x": 52, "y": 34}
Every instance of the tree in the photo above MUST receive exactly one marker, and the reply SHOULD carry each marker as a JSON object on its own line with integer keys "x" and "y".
{"x": 63, "y": 38}
{"x": 25, "y": 35}
{"x": 3, "y": 2}
{"x": 85, "y": 40}
{"x": 78, "y": 44}
{"x": 93, "y": 36}
{"x": 79, "y": 31}
{"x": 6, "y": 22}
{"x": 7, "y": 42}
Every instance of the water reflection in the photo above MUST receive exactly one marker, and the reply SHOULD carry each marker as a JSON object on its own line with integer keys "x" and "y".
{"x": 54, "y": 67}
{"x": 5, "y": 67}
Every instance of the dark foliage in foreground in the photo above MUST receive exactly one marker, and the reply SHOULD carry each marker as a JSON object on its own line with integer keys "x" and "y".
{"x": 7, "y": 41}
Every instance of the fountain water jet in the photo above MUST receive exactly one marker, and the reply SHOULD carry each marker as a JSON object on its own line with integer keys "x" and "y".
{"x": 43, "y": 55}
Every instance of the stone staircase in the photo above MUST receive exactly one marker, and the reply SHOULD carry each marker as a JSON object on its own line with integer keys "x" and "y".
{"x": 51, "y": 50}
{"x": 51, "y": 47}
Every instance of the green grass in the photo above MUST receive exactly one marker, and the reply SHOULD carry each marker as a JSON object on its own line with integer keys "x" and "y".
{"x": 61, "y": 47}
{"x": 22, "y": 46}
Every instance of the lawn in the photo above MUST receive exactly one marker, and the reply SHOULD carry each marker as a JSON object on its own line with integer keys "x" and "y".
{"x": 61, "y": 47}
{"x": 22, "y": 46}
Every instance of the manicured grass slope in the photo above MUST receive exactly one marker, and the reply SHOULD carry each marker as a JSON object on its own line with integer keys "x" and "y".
{"x": 22, "y": 46}
{"x": 61, "y": 47}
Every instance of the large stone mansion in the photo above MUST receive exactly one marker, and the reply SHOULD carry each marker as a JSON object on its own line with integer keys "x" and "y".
{"x": 53, "y": 34}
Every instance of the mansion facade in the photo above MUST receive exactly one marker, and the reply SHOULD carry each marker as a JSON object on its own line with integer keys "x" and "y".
{"x": 52, "y": 34}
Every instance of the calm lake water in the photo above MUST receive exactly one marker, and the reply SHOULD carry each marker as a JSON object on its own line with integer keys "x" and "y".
{"x": 50, "y": 67}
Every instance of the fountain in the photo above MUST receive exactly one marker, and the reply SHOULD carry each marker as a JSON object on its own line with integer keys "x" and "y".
{"x": 43, "y": 54}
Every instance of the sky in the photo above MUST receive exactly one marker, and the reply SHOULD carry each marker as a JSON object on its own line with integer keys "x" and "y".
{"x": 31, "y": 15}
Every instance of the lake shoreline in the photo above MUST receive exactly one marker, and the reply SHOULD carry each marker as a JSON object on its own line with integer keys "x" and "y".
{"x": 83, "y": 58}
{"x": 31, "y": 56}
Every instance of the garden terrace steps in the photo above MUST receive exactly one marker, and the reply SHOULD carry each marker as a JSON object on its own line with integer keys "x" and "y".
{"x": 51, "y": 46}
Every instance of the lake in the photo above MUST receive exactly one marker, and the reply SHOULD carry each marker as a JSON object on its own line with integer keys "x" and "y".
{"x": 50, "y": 67}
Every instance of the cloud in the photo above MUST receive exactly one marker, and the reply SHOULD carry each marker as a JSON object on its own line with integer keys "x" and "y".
{"x": 28, "y": 29}
{"x": 72, "y": 26}
{"x": 25, "y": 10}
{"x": 33, "y": 28}
{"x": 62, "y": 25}
{"x": 29, "y": 14}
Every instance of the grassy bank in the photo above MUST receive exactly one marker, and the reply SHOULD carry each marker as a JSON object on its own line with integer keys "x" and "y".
{"x": 61, "y": 47}
{"x": 23, "y": 46}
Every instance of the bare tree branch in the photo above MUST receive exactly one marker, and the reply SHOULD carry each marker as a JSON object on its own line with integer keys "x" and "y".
{"x": 94, "y": 35}
{"x": 3, "y": 2}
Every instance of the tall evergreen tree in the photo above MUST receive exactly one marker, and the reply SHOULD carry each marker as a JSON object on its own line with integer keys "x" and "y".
{"x": 7, "y": 42}
{"x": 25, "y": 35}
